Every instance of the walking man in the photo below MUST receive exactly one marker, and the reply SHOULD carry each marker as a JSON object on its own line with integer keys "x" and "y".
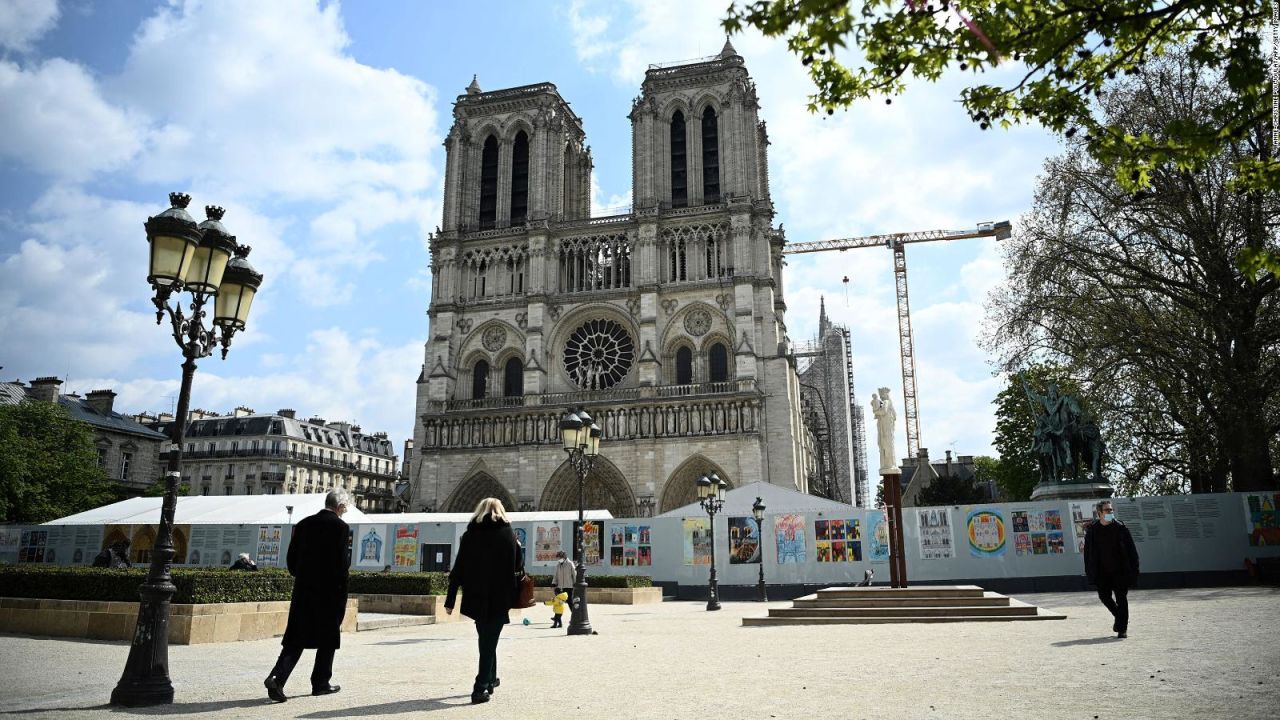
{"x": 317, "y": 561}
{"x": 1111, "y": 563}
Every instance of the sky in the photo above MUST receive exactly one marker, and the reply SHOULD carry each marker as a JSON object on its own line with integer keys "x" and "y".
{"x": 319, "y": 128}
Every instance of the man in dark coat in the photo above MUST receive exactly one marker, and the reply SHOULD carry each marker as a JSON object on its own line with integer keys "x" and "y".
{"x": 1111, "y": 563}
{"x": 488, "y": 557}
{"x": 318, "y": 562}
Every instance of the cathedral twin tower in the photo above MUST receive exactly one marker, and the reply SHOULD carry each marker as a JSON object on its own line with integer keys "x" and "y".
{"x": 665, "y": 323}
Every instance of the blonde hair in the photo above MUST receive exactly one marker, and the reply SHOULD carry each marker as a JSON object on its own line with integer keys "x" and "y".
{"x": 489, "y": 509}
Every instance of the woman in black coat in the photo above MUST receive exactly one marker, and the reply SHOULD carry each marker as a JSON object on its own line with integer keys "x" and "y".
{"x": 488, "y": 558}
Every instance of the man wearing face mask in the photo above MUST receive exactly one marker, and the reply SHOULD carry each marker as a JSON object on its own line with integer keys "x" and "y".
{"x": 1111, "y": 563}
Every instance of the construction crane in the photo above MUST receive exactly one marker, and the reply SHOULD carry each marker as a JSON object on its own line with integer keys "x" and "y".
{"x": 897, "y": 242}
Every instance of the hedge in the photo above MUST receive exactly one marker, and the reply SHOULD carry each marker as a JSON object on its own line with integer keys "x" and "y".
{"x": 603, "y": 581}
{"x": 194, "y": 585}
{"x": 415, "y": 583}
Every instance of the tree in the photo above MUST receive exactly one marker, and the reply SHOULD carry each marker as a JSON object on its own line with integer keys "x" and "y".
{"x": 1139, "y": 295}
{"x": 950, "y": 490}
{"x": 1017, "y": 472}
{"x": 986, "y": 470}
{"x": 48, "y": 464}
{"x": 1070, "y": 51}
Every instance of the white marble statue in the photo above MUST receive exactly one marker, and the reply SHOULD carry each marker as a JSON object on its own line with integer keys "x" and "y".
{"x": 882, "y": 408}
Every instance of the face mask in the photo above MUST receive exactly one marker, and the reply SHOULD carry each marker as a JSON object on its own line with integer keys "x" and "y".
{"x": 1109, "y": 517}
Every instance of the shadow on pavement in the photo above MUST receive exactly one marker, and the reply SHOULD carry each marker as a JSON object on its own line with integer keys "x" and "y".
{"x": 1087, "y": 641}
{"x": 37, "y": 711}
{"x": 196, "y": 708}
{"x": 412, "y": 641}
{"x": 404, "y": 706}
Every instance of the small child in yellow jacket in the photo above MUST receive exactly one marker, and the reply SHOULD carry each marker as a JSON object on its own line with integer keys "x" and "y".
{"x": 558, "y": 604}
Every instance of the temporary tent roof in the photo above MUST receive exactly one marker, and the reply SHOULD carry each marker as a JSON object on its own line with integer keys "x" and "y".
{"x": 210, "y": 510}
{"x": 776, "y": 499}
{"x": 551, "y": 516}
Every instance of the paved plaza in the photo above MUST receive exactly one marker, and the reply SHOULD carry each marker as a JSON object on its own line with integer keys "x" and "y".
{"x": 1195, "y": 653}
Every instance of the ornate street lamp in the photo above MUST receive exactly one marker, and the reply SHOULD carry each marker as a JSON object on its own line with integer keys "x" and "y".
{"x": 711, "y": 496}
{"x": 757, "y": 512}
{"x": 580, "y": 437}
{"x": 196, "y": 259}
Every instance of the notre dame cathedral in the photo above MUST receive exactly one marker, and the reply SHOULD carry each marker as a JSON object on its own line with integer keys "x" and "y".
{"x": 666, "y": 323}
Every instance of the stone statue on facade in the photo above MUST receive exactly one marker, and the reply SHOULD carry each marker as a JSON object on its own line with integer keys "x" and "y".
{"x": 882, "y": 409}
{"x": 1064, "y": 438}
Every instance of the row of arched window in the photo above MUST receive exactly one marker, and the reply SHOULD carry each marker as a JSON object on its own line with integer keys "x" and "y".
{"x": 519, "y": 181}
{"x": 512, "y": 379}
{"x": 680, "y": 159}
{"x": 690, "y": 367}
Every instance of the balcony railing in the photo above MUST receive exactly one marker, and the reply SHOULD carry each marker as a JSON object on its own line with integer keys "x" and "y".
{"x": 746, "y": 385}
{"x": 286, "y": 455}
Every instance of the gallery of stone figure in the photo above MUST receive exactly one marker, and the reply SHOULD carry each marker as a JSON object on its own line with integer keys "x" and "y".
{"x": 598, "y": 354}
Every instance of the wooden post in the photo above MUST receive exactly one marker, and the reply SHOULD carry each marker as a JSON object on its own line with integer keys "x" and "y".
{"x": 892, "y": 496}
{"x": 900, "y": 557}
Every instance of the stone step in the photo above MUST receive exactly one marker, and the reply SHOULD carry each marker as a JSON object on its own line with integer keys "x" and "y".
{"x": 905, "y": 612}
{"x": 379, "y": 621}
{"x": 988, "y": 599}
{"x": 947, "y": 591}
{"x": 765, "y": 621}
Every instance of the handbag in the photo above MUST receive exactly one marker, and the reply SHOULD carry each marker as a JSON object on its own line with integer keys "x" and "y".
{"x": 524, "y": 591}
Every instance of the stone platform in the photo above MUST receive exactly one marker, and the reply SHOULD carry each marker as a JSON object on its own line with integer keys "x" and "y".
{"x": 922, "y": 604}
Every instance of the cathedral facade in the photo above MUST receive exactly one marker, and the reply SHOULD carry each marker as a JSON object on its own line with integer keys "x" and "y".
{"x": 667, "y": 323}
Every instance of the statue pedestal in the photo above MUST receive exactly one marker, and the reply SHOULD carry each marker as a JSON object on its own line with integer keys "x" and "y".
{"x": 1072, "y": 491}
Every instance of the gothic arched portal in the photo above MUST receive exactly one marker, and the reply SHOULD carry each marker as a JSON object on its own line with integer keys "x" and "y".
{"x": 682, "y": 487}
{"x": 471, "y": 491}
{"x": 605, "y": 489}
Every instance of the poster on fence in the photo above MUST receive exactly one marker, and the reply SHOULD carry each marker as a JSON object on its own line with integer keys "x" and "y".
{"x": 744, "y": 541}
{"x": 788, "y": 532}
{"x": 630, "y": 546}
{"x": 935, "y": 533}
{"x": 697, "y": 541}
{"x": 546, "y": 543}
{"x": 522, "y": 537}
{"x": 837, "y": 541}
{"x": 877, "y": 537}
{"x": 1260, "y": 519}
{"x": 268, "y": 553}
{"x": 592, "y": 542}
{"x": 370, "y": 543}
{"x": 986, "y": 533}
{"x": 1081, "y": 516}
{"x": 406, "y": 547}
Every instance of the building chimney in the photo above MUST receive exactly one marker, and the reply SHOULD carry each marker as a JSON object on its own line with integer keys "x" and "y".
{"x": 287, "y": 412}
{"x": 242, "y": 411}
{"x": 165, "y": 417}
{"x": 45, "y": 389}
{"x": 101, "y": 401}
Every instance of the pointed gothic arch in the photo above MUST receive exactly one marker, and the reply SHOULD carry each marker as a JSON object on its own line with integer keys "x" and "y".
{"x": 605, "y": 489}
{"x": 681, "y": 487}
{"x": 478, "y": 486}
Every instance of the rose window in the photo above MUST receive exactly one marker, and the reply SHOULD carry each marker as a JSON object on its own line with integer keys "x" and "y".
{"x": 598, "y": 354}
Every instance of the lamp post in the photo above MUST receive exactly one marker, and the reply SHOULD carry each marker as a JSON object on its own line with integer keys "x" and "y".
{"x": 580, "y": 437}
{"x": 711, "y": 496}
{"x": 757, "y": 512}
{"x": 197, "y": 259}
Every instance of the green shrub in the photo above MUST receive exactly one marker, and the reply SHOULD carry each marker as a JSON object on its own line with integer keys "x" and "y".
{"x": 415, "y": 583}
{"x": 603, "y": 581}
{"x": 194, "y": 586}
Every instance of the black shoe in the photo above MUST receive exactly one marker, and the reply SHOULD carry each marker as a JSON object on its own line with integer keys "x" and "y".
{"x": 274, "y": 691}
{"x": 326, "y": 690}
{"x": 1122, "y": 634}
{"x": 496, "y": 682}
{"x": 479, "y": 696}
{"x": 1115, "y": 626}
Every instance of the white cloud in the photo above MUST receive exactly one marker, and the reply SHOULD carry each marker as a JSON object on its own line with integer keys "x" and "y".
{"x": 57, "y": 122}
{"x": 23, "y": 22}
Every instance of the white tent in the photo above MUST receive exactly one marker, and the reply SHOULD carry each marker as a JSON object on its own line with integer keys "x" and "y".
{"x": 210, "y": 510}
{"x": 551, "y": 516}
{"x": 776, "y": 499}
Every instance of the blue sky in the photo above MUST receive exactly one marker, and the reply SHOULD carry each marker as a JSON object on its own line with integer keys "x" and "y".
{"x": 319, "y": 128}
